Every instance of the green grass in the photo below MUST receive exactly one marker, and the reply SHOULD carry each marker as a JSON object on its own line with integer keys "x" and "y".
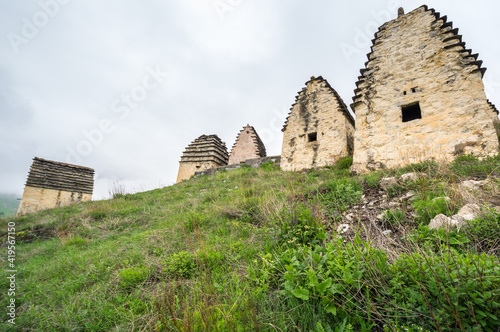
{"x": 254, "y": 249}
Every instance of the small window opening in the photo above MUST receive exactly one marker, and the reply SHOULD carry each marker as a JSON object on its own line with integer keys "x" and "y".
{"x": 411, "y": 112}
{"x": 198, "y": 166}
{"x": 413, "y": 90}
{"x": 404, "y": 92}
{"x": 312, "y": 137}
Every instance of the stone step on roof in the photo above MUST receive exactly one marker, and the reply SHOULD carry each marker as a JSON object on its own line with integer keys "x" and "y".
{"x": 55, "y": 175}
{"x": 340, "y": 101}
{"x": 492, "y": 106}
{"x": 206, "y": 148}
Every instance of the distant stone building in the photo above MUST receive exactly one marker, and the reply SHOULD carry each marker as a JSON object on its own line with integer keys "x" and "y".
{"x": 248, "y": 145}
{"x": 205, "y": 152}
{"x": 421, "y": 96}
{"x": 319, "y": 129}
{"x": 54, "y": 184}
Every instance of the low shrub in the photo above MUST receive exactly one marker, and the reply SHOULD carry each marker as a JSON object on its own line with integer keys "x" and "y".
{"x": 471, "y": 166}
{"x": 298, "y": 225}
{"x": 344, "y": 163}
{"x": 394, "y": 216}
{"x": 372, "y": 179}
{"x": 75, "y": 241}
{"x": 447, "y": 292}
{"x": 180, "y": 265}
{"x": 485, "y": 231}
{"x": 427, "y": 209}
{"x": 98, "y": 215}
{"x": 269, "y": 166}
{"x": 338, "y": 195}
{"x": 131, "y": 277}
{"x": 332, "y": 278}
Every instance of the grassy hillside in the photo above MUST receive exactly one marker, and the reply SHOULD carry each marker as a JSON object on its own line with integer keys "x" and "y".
{"x": 258, "y": 250}
{"x": 8, "y": 205}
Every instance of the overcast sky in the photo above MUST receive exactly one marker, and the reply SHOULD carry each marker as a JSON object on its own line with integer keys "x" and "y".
{"x": 124, "y": 86}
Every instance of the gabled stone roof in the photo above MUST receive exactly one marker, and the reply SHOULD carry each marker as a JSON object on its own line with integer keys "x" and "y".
{"x": 450, "y": 38}
{"x": 206, "y": 148}
{"x": 259, "y": 150}
{"x": 55, "y": 175}
{"x": 301, "y": 96}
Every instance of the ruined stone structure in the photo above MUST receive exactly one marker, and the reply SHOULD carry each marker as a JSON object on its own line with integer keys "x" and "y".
{"x": 205, "y": 152}
{"x": 53, "y": 184}
{"x": 248, "y": 145}
{"x": 319, "y": 129}
{"x": 421, "y": 96}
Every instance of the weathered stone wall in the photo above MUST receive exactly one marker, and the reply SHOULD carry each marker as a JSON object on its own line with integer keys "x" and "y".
{"x": 257, "y": 162}
{"x": 38, "y": 199}
{"x": 420, "y": 58}
{"x": 187, "y": 170}
{"x": 205, "y": 152}
{"x": 52, "y": 184}
{"x": 319, "y": 130}
{"x": 248, "y": 145}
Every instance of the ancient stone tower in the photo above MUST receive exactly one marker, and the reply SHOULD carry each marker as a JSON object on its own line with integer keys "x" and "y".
{"x": 205, "y": 152}
{"x": 248, "y": 145}
{"x": 421, "y": 96}
{"x": 53, "y": 184}
{"x": 319, "y": 129}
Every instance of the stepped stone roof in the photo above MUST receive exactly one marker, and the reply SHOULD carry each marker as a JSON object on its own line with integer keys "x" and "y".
{"x": 450, "y": 39}
{"x": 301, "y": 95}
{"x": 55, "y": 175}
{"x": 206, "y": 148}
{"x": 241, "y": 146}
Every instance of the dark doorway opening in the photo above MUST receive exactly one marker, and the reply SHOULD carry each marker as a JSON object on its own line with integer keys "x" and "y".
{"x": 312, "y": 137}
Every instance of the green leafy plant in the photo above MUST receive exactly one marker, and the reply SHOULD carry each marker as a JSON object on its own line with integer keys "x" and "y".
{"x": 344, "y": 163}
{"x": 180, "y": 265}
{"x": 485, "y": 231}
{"x": 429, "y": 208}
{"x": 434, "y": 239}
{"x": 394, "y": 216}
{"x": 269, "y": 166}
{"x": 298, "y": 225}
{"x": 131, "y": 277}
{"x": 456, "y": 291}
{"x": 468, "y": 165}
{"x": 75, "y": 241}
{"x": 338, "y": 195}
{"x": 98, "y": 215}
{"x": 372, "y": 179}
{"x": 330, "y": 277}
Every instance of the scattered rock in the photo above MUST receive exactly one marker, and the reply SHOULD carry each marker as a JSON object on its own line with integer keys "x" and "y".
{"x": 474, "y": 185}
{"x": 442, "y": 221}
{"x": 409, "y": 177}
{"x": 469, "y": 211}
{"x": 342, "y": 228}
{"x": 386, "y": 183}
{"x": 387, "y": 232}
{"x": 349, "y": 217}
{"x": 409, "y": 195}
